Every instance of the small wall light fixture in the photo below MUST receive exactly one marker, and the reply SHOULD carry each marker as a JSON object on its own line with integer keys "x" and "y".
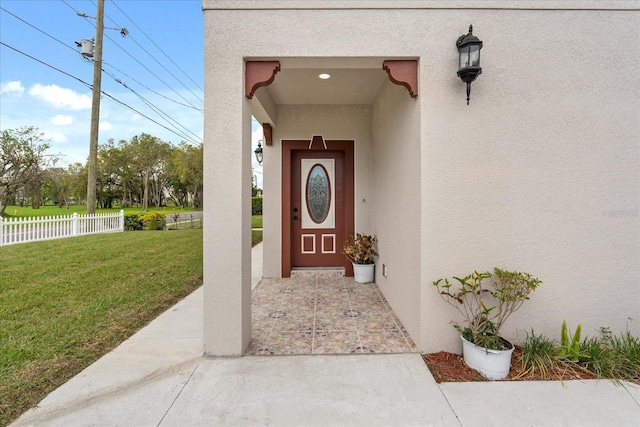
{"x": 258, "y": 152}
{"x": 469, "y": 49}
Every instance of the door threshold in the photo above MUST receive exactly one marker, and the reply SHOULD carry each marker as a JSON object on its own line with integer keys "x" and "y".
{"x": 319, "y": 271}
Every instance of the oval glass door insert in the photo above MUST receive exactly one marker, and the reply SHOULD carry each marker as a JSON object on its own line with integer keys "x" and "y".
{"x": 318, "y": 193}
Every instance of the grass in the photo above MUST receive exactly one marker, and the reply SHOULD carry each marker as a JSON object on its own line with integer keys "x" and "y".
{"x": 539, "y": 355}
{"x": 64, "y": 303}
{"x": 615, "y": 357}
{"x": 256, "y": 237}
{"x": 256, "y": 221}
{"x": 612, "y": 356}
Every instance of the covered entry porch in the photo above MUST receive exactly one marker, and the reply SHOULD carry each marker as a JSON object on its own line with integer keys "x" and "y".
{"x": 368, "y": 110}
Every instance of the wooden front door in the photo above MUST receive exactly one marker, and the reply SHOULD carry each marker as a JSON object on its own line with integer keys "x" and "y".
{"x": 317, "y": 203}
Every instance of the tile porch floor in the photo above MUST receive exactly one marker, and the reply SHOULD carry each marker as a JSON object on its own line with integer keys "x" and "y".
{"x": 323, "y": 313}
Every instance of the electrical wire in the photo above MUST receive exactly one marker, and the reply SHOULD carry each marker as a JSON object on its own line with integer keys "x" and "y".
{"x": 156, "y": 109}
{"x": 82, "y": 15}
{"x": 144, "y": 66}
{"x": 151, "y": 72}
{"x": 38, "y": 29}
{"x": 159, "y": 48}
{"x": 151, "y": 90}
{"x": 153, "y": 57}
{"x": 48, "y": 65}
{"x": 147, "y": 102}
{"x": 153, "y": 107}
{"x": 90, "y": 86}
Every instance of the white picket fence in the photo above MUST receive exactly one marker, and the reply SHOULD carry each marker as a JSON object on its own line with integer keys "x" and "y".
{"x": 22, "y": 230}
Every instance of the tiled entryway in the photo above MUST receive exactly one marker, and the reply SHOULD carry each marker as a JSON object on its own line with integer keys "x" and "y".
{"x": 320, "y": 313}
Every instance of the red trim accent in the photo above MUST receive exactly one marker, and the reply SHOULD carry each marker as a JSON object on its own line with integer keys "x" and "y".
{"x": 267, "y": 134}
{"x": 404, "y": 73}
{"x": 258, "y": 74}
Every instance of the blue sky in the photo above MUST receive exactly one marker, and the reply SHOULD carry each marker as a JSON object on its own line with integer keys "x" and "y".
{"x": 159, "y": 65}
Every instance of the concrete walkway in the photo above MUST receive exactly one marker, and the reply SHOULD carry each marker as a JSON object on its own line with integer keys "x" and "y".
{"x": 158, "y": 377}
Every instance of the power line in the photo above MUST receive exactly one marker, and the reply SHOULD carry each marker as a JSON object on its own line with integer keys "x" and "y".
{"x": 145, "y": 116}
{"x": 152, "y": 73}
{"x": 152, "y": 106}
{"x": 86, "y": 18}
{"x": 159, "y": 48}
{"x": 91, "y": 87}
{"x": 157, "y": 110}
{"x": 136, "y": 60}
{"x": 38, "y": 29}
{"x": 48, "y": 65}
{"x": 151, "y": 90}
{"x": 155, "y": 59}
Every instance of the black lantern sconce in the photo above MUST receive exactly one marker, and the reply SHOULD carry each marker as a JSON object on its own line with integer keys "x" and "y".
{"x": 258, "y": 152}
{"x": 469, "y": 49}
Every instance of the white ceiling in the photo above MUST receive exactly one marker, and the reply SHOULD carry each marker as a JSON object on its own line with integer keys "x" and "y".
{"x": 346, "y": 85}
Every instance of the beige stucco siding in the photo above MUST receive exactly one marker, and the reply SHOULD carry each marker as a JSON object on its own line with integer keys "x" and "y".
{"x": 540, "y": 173}
{"x": 396, "y": 185}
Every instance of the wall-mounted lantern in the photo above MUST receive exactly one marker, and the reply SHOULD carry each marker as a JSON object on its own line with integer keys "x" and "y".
{"x": 258, "y": 152}
{"x": 469, "y": 49}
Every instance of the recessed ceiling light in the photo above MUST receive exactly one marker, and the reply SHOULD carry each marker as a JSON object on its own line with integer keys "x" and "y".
{"x": 324, "y": 76}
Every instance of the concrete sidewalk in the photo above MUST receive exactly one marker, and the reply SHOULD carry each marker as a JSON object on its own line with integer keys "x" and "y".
{"x": 159, "y": 377}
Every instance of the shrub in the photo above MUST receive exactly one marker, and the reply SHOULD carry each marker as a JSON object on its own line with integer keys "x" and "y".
{"x": 153, "y": 220}
{"x": 486, "y": 307}
{"x": 132, "y": 222}
{"x": 256, "y": 206}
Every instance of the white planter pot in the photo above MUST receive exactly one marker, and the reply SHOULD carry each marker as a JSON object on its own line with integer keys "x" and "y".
{"x": 363, "y": 273}
{"x": 493, "y": 364}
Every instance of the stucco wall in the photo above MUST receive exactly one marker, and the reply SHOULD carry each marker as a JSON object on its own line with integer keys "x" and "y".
{"x": 540, "y": 173}
{"x": 396, "y": 213}
{"x": 227, "y": 200}
{"x": 339, "y": 122}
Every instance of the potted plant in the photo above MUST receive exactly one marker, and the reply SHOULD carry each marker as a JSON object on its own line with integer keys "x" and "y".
{"x": 486, "y": 301}
{"x": 359, "y": 250}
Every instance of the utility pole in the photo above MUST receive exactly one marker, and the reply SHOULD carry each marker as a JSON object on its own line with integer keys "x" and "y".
{"x": 95, "y": 111}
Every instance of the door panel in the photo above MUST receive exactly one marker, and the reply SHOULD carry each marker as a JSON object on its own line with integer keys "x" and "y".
{"x": 317, "y": 203}
{"x": 317, "y": 199}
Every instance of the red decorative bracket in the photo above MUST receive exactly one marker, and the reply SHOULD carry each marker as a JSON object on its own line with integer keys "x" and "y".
{"x": 267, "y": 133}
{"x": 258, "y": 74}
{"x": 404, "y": 73}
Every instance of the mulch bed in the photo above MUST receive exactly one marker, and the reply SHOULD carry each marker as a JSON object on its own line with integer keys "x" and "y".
{"x": 450, "y": 367}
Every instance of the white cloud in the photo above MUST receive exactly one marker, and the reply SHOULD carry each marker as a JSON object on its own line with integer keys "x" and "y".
{"x": 61, "y": 120}
{"x": 60, "y": 97}
{"x": 105, "y": 126}
{"x": 14, "y": 88}
{"x": 55, "y": 136}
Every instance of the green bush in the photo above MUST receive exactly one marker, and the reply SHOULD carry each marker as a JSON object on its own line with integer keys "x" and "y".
{"x": 153, "y": 220}
{"x": 256, "y": 206}
{"x": 132, "y": 222}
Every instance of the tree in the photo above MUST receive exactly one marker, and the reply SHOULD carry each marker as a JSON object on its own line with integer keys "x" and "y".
{"x": 186, "y": 175}
{"x": 147, "y": 155}
{"x": 23, "y": 161}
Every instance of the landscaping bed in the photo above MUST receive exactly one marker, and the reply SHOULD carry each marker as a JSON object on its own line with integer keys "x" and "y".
{"x": 450, "y": 367}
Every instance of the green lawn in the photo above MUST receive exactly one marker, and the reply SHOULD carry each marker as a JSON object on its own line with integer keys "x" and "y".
{"x": 64, "y": 303}
{"x": 256, "y": 221}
